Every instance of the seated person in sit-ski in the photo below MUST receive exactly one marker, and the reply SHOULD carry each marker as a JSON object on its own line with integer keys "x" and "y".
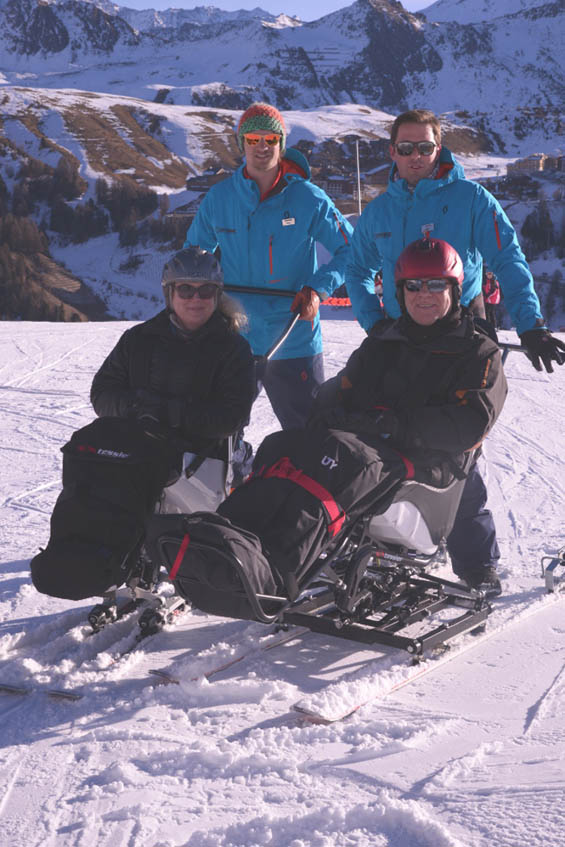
{"x": 187, "y": 370}
{"x": 430, "y": 383}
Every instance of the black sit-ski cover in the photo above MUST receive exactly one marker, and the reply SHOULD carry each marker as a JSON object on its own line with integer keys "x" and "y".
{"x": 306, "y": 488}
{"x": 113, "y": 474}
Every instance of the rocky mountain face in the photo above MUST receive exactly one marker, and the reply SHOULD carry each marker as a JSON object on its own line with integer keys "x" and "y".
{"x": 38, "y": 29}
{"x": 372, "y": 52}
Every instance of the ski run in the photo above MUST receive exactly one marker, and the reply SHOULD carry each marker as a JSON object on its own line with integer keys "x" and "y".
{"x": 465, "y": 749}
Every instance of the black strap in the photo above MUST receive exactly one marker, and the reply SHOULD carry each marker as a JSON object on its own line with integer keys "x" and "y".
{"x": 194, "y": 465}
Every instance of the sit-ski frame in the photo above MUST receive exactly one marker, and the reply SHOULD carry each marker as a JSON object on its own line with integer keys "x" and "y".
{"x": 371, "y": 596}
{"x": 384, "y": 593}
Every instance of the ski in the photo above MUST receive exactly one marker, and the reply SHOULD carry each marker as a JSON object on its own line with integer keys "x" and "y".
{"x": 150, "y": 623}
{"x": 56, "y": 693}
{"x": 340, "y": 699}
{"x": 275, "y": 639}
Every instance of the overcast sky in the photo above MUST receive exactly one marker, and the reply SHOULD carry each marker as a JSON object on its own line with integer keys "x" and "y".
{"x": 307, "y": 10}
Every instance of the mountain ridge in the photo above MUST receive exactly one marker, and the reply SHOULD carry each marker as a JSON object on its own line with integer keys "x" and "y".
{"x": 373, "y": 52}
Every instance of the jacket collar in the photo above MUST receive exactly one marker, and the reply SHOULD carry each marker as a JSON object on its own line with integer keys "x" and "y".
{"x": 449, "y": 170}
{"x": 293, "y": 166}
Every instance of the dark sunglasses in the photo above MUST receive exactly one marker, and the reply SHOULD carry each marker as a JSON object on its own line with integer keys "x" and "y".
{"x": 406, "y": 148}
{"x": 435, "y": 286}
{"x": 205, "y": 292}
{"x": 253, "y": 138}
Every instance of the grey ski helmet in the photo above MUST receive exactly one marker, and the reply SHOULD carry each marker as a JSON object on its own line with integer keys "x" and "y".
{"x": 192, "y": 263}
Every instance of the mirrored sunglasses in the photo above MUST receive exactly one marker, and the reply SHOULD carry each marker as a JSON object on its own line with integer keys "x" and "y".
{"x": 204, "y": 292}
{"x": 406, "y": 148}
{"x": 434, "y": 286}
{"x": 252, "y": 139}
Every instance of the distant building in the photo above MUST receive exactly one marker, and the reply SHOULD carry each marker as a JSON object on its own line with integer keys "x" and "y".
{"x": 335, "y": 185}
{"x": 535, "y": 163}
{"x": 204, "y": 181}
{"x": 530, "y": 164}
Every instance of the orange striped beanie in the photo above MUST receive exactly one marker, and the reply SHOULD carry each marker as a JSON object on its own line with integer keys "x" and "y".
{"x": 261, "y": 117}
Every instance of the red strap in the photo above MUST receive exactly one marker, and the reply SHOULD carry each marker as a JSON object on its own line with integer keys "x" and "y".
{"x": 179, "y": 556}
{"x": 284, "y": 469}
{"x": 410, "y": 470}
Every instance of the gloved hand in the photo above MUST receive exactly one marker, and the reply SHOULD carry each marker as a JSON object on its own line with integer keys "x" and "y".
{"x": 541, "y": 346}
{"x": 387, "y": 424}
{"x": 384, "y": 424}
{"x": 149, "y": 405}
{"x": 306, "y": 302}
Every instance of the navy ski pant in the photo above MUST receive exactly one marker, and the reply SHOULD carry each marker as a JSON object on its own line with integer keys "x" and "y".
{"x": 472, "y": 542}
{"x": 290, "y": 385}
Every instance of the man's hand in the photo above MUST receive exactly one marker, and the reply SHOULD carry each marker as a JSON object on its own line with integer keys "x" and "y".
{"x": 307, "y": 303}
{"x": 540, "y": 346}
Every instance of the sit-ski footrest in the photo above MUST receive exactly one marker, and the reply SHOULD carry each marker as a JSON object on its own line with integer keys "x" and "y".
{"x": 549, "y": 566}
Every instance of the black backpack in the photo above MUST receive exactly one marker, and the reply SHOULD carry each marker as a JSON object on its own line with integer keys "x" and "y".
{"x": 306, "y": 489}
{"x": 113, "y": 473}
{"x": 307, "y": 486}
{"x": 218, "y": 567}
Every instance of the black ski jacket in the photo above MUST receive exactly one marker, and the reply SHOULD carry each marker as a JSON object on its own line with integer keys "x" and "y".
{"x": 200, "y": 384}
{"x": 433, "y": 399}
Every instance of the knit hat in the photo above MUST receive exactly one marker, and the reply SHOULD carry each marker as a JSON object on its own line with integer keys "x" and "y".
{"x": 260, "y": 117}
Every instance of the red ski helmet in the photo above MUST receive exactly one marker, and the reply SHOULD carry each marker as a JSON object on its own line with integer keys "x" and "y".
{"x": 429, "y": 258}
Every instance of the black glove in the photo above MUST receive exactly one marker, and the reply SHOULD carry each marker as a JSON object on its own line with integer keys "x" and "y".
{"x": 387, "y": 424}
{"x": 384, "y": 424}
{"x": 540, "y": 346}
{"x": 149, "y": 405}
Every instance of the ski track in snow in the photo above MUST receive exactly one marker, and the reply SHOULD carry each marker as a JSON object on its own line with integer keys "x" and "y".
{"x": 468, "y": 756}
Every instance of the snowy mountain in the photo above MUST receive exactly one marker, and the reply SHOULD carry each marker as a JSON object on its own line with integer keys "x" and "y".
{"x": 470, "y": 754}
{"x": 372, "y": 52}
{"x": 473, "y": 11}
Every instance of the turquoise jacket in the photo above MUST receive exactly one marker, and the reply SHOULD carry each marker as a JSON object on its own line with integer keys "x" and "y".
{"x": 270, "y": 244}
{"x": 456, "y": 210}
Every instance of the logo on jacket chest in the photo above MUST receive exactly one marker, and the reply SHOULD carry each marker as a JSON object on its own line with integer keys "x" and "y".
{"x": 288, "y": 219}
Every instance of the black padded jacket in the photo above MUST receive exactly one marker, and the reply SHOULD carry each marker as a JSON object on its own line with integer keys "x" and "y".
{"x": 444, "y": 393}
{"x": 199, "y": 384}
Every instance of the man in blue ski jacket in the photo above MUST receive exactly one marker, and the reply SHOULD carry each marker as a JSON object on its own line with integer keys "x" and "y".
{"x": 428, "y": 194}
{"x": 266, "y": 220}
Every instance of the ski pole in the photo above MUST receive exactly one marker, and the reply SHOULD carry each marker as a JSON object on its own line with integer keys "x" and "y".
{"x": 280, "y": 341}
{"x": 506, "y": 347}
{"x": 249, "y": 289}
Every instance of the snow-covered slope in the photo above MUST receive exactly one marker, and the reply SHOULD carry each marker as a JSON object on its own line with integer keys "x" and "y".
{"x": 469, "y": 756}
{"x": 473, "y": 11}
{"x": 498, "y": 72}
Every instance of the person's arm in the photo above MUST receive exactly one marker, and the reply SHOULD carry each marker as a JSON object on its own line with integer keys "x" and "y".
{"x": 227, "y": 406}
{"x": 475, "y": 401}
{"x": 111, "y": 394}
{"x": 201, "y": 232}
{"x": 334, "y": 232}
{"x": 364, "y": 262}
{"x": 497, "y": 242}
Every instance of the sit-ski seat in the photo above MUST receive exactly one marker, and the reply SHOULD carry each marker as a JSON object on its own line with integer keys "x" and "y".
{"x": 418, "y": 517}
{"x": 203, "y": 484}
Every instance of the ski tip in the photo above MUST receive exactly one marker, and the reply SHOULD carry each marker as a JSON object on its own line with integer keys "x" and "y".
{"x": 164, "y": 677}
{"x": 61, "y": 693}
{"x": 13, "y": 689}
{"x": 64, "y": 694}
{"x": 312, "y": 716}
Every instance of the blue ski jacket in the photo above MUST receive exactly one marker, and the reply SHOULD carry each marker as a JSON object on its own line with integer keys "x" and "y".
{"x": 456, "y": 210}
{"x": 270, "y": 244}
